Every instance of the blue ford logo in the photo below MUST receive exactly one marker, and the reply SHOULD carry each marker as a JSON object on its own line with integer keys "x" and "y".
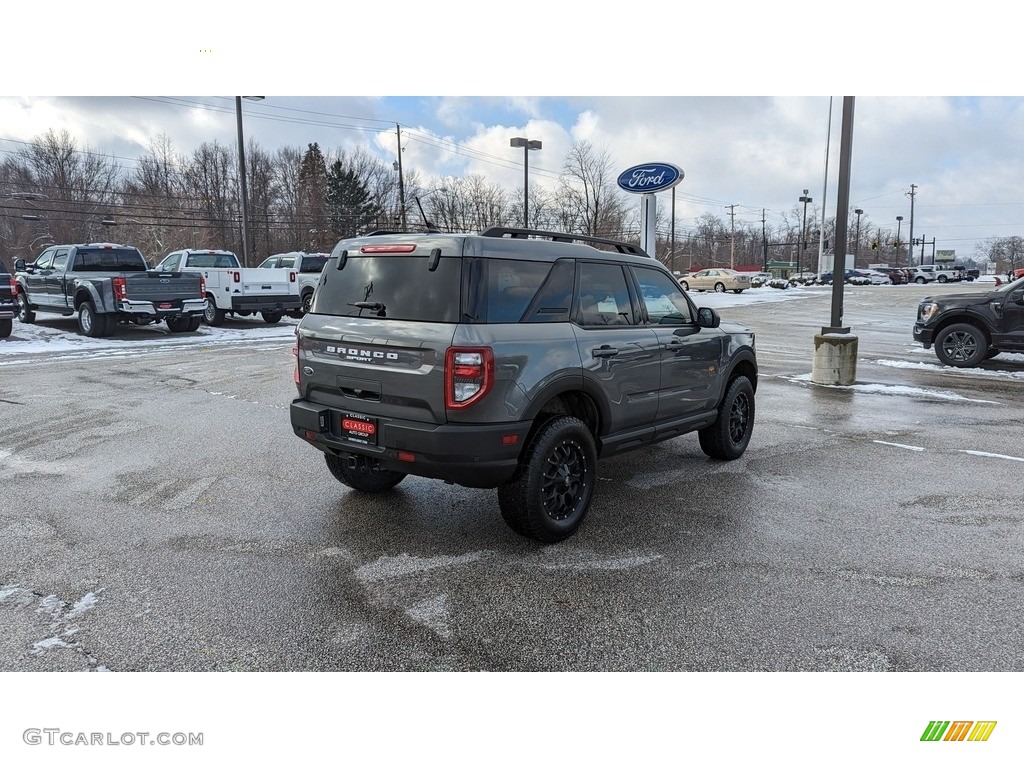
{"x": 650, "y": 177}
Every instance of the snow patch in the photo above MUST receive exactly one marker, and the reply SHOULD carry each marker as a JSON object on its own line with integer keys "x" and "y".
{"x": 432, "y": 613}
{"x": 405, "y": 565}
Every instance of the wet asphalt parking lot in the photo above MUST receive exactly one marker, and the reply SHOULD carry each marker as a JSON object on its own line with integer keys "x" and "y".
{"x": 157, "y": 513}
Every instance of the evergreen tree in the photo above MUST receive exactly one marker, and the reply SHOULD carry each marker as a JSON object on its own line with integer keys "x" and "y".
{"x": 351, "y": 207}
{"x": 312, "y": 203}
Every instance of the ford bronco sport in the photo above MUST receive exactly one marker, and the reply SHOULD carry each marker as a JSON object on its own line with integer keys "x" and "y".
{"x": 511, "y": 359}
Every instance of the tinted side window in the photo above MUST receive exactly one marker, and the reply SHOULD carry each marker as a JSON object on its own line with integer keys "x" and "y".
{"x": 509, "y": 287}
{"x": 663, "y": 298}
{"x": 604, "y": 298}
{"x": 313, "y": 263}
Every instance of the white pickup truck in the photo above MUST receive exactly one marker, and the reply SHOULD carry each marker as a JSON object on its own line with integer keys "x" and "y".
{"x": 233, "y": 289}
{"x": 308, "y": 265}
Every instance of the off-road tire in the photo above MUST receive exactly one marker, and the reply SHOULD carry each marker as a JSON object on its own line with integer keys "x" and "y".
{"x": 25, "y": 312}
{"x": 729, "y": 436}
{"x": 307, "y": 302}
{"x": 365, "y": 476}
{"x": 961, "y": 345}
{"x": 272, "y": 318}
{"x": 212, "y": 315}
{"x": 6, "y": 326}
{"x": 91, "y": 323}
{"x": 548, "y": 497}
{"x": 194, "y": 322}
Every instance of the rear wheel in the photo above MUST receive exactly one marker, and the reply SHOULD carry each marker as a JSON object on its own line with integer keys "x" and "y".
{"x": 212, "y": 315}
{"x": 194, "y": 321}
{"x": 270, "y": 318}
{"x": 307, "y": 301}
{"x": 685, "y": 285}
{"x": 91, "y": 323}
{"x": 942, "y": 278}
{"x": 361, "y": 473}
{"x": 961, "y": 345}
{"x": 6, "y": 326}
{"x": 551, "y": 491}
{"x": 177, "y": 324}
{"x": 25, "y": 313}
{"x": 729, "y": 436}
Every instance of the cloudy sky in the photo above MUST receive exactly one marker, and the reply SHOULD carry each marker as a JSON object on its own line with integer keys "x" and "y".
{"x": 724, "y": 99}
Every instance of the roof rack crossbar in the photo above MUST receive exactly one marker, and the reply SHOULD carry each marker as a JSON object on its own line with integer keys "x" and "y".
{"x": 563, "y": 237}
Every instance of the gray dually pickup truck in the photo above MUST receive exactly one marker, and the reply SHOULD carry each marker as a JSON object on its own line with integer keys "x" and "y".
{"x": 107, "y": 284}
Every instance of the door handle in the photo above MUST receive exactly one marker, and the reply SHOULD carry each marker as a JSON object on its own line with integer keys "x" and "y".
{"x": 605, "y": 351}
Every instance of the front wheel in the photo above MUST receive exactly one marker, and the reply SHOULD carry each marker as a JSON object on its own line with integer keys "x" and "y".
{"x": 920, "y": 281}
{"x": 25, "y": 313}
{"x": 729, "y": 436}
{"x": 361, "y": 473}
{"x": 549, "y": 496}
{"x": 961, "y": 345}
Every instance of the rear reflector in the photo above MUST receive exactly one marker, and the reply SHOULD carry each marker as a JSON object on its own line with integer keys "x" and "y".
{"x": 509, "y": 439}
{"x": 403, "y": 456}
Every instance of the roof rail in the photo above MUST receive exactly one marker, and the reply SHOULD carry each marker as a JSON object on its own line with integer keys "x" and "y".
{"x": 564, "y": 237}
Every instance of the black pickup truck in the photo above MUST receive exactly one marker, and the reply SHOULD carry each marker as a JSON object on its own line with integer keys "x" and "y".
{"x": 7, "y": 305}
{"x": 106, "y": 284}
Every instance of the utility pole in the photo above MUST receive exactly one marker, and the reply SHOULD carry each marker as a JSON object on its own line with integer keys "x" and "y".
{"x": 401, "y": 179}
{"x": 764, "y": 241}
{"x": 910, "y": 194}
{"x": 732, "y": 235}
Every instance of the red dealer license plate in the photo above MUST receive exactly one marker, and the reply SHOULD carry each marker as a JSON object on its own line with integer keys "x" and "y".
{"x": 362, "y": 429}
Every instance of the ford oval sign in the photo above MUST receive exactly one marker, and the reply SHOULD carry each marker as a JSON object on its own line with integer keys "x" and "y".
{"x": 650, "y": 177}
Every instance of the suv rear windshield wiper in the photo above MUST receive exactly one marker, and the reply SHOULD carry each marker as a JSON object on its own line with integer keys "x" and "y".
{"x": 376, "y": 306}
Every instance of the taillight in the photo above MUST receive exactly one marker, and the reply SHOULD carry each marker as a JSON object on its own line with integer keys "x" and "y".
{"x": 14, "y": 286}
{"x": 238, "y": 277}
{"x": 202, "y": 287}
{"x": 120, "y": 289}
{"x": 468, "y": 375}
{"x": 295, "y": 376}
{"x": 291, "y": 277}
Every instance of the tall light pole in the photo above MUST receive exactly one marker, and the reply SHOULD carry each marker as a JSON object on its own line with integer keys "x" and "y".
{"x": 803, "y": 234}
{"x": 856, "y": 245}
{"x": 401, "y": 179}
{"x": 899, "y": 223}
{"x": 910, "y": 237}
{"x": 527, "y": 145}
{"x": 243, "y": 185}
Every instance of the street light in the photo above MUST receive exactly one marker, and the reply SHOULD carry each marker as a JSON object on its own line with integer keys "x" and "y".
{"x": 856, "y": 245}
{"x": 241, "y": 176}
{"x": 527, "y": 145}
{"x": 803, "y": 234}
{"x": 899, "y": 223}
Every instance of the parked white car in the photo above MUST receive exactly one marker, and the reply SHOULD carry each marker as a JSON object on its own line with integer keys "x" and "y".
{"x": 869, "y": 277}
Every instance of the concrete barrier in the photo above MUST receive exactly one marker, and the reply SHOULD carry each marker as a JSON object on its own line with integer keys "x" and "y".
{"x": 835, "y": 359}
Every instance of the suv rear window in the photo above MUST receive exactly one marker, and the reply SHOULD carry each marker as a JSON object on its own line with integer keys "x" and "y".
{"x": 109, "y": 260}
{"x": 392, "y": 287}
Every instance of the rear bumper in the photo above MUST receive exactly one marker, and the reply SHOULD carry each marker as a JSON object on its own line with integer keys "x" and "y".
{"x": 148, "y": 308}
{"x": 473, "y": 455}
{"x": 277, "y": 303}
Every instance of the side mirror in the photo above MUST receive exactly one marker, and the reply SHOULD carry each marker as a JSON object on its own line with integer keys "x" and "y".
{"x": 708, "y": 318}
{"x": 19, "y": 265}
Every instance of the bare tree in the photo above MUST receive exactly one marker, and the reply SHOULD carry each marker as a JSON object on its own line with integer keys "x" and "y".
{"x": 588, "y": 192}
{"x": 210, "y": 186}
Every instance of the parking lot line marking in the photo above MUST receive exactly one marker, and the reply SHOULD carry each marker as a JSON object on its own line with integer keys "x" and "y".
{"x": 900, "y": 445}
{"x": 993, "y": 455}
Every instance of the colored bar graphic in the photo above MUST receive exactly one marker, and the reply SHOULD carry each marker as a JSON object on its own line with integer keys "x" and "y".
{"x": 935, "y": 730}
{"x": 982, "y": 730}
{"x": 958, "y": 730}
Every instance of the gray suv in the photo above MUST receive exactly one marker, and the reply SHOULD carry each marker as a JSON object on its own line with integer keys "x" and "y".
{"x": 511, "y": 359}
